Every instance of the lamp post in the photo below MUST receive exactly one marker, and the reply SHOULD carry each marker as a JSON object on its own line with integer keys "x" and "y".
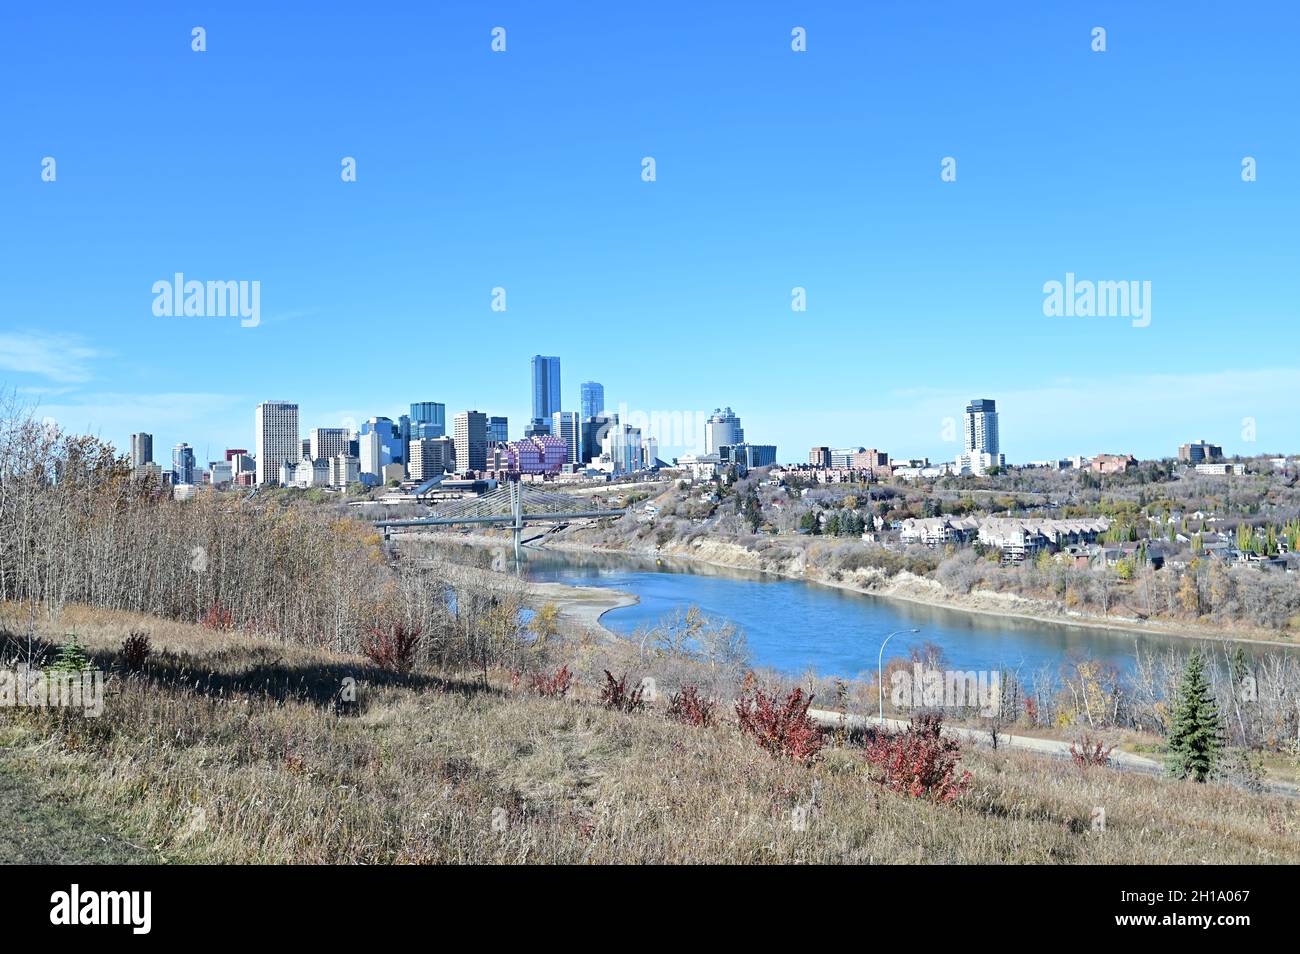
{"x": 880, "y": 670}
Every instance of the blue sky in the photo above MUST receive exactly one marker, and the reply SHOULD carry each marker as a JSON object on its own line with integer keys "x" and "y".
{"x": 775, "y": 169}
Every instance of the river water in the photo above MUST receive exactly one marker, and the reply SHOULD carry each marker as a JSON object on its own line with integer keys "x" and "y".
{"x": 793, "y": 626}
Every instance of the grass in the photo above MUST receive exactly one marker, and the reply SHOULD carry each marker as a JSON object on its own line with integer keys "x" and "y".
{"x": 229, "y": 749}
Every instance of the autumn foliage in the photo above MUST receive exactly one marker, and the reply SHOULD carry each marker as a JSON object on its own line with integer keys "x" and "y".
{"x": 616, "y": 695}
{"x": 780, "y": 726}
{"x": 391, "y": 647}
{"x": 218, "y": 617}
{"x": 919, "y": 762}
{"x": 553, "y": 686}
{"x": 1088, "y": 752}
{"x": 690, "y": 707}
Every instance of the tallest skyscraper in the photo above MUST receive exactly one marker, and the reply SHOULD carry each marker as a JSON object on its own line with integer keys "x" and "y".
{"x": 546, "y": 392}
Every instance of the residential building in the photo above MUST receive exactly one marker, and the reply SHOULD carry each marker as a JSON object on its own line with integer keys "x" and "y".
{"x": 182, "y": 464}
{"x": 1200, "y": 453}
{"x": 593, "y": 400}
{"x": 565, "y": 426}
{"x": 141, "y": 450}
{"x": 471, "y": 440}
{"x": 981, "y": 427}
{"x": 978, "y": 462}
{"x": 723, "y": 427}
{"x": 546, "y": 392}
{"x": 432, "y": 457}
{"x": 276, "y": 439}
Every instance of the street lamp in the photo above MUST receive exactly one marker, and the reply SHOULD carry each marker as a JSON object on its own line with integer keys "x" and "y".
{"x": 880, "y": 670}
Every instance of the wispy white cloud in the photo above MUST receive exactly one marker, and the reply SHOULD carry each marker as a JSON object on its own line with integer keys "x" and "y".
{"x": 62, "y": 358}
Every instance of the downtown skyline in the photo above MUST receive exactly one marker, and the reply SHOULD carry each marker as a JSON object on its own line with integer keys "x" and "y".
{"x": 819, "y": 170}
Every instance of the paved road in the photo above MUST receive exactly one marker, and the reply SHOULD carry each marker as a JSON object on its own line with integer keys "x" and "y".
{"x": 1125, "y": 761}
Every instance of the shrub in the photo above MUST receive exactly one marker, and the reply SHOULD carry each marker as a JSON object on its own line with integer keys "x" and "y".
{"x": 919, "y": 762}
{"x": 218, "y": 617}
{"x": 781, "y": 727}
{"x": 553, "y": 686}
{"x": 1087, "y": 752}
{"x": 391, "y": 647}
{"x": 136, "y": 650}
{"x": 690, "y": 707}
{"x": 616, "y": 695}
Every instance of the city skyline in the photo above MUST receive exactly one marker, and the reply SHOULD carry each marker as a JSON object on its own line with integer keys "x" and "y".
{"x": 826, "y": 176}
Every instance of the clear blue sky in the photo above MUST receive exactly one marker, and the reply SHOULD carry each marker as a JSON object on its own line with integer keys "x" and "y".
{"x": 775, "y": 169}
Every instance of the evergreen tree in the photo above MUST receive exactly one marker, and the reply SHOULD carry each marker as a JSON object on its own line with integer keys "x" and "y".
{"x": 72, "y": 658}
{"x": 1195, "y": 736}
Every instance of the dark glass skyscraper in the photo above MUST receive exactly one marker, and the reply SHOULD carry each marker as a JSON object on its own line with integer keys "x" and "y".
{"x": 546, "y": 391}
{"x": 431, "y": 414}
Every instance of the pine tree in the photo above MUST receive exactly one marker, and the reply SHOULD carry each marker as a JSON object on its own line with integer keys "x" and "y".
{"x": 1195, "y": 737}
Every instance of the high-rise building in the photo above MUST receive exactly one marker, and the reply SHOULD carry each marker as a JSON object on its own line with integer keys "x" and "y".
{"x": 471, "y": 440}
{"x": 722, "y": 428}
{"x": 428, "y": 419}
{"x": 182, "y": 464}
{"x": 546, "y": 391}
{"x": 277, "y": 441}
{"x": 390, "y": 440}
{"x": 593, "y": 399}
{"x": 498, "y": 430}
{"x": 532, "y": 455}
{"x": 141, "y": 450}
{"x": 233, "y": 452}
{"x": 431, "y": 457}
{"x": 622, "y": 444}
{"x": 328, "y": 442}
{"x": 564, "y": 425}
{"x": 371, "y": 457}
{"x": 593, "y": 431}
{"x": 220, "y": 472}
{"x": 820, "y": 457}
{"x": 980, "y": 426}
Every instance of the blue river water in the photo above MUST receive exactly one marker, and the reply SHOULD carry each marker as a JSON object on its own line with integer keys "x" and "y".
{"x": 793, "y": 627}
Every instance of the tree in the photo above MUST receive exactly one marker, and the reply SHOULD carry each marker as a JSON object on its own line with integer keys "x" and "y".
{"x": 1195, "y": 735}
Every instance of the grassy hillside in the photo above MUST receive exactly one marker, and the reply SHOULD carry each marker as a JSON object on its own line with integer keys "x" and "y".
{"x": 229, "y": 749}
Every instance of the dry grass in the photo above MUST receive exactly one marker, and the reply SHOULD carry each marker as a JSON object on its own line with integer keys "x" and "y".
{"x": 228, "y": 749}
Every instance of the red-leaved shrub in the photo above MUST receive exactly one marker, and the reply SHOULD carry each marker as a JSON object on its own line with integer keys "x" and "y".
{"x": 919, "y": 761}
{"x": 135, "y": 650}
{"x": 218, "y": 617}
{"x": 391, "y": 647}
{"x": 690, "y": 707}
{"x": 553, "y": 686}
{"x": 616, "y": 694}
{"x": 1087, "y": 752}
{"x": 782, "y": 727}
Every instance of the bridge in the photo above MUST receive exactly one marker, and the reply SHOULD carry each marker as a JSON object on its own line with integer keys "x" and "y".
{"x": 513, "y": 505}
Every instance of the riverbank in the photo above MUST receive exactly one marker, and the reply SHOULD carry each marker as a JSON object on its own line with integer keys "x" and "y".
{"x": 903, "y": 586}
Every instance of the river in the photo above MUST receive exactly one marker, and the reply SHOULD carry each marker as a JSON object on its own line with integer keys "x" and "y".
{"x": 793, "y": 626}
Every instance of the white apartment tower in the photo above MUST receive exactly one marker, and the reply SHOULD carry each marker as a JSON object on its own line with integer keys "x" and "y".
{"x": 277, "y": 440}
{"x": 564, "y": 425}
{"x": 981, "y": 423}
